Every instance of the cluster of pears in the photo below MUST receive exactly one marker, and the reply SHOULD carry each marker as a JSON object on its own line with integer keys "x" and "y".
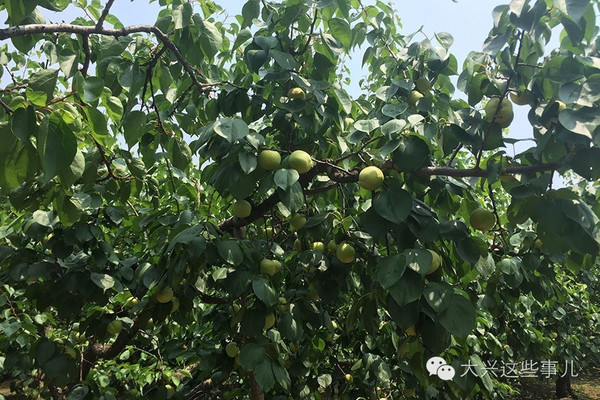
{"x": 270, "y": 160}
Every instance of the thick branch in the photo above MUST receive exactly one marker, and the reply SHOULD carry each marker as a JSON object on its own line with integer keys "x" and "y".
{"x": 94, "y": 351}
{"x": 339, "y": 175}
{"x": 25, "y": 30}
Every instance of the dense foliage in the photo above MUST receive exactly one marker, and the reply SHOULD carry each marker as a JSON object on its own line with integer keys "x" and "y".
{"x": 149, "y": 248}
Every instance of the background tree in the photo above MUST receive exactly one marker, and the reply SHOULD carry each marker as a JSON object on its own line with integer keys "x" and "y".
{"x": 200, "y": 208}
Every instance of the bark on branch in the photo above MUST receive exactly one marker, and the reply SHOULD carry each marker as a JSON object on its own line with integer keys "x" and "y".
{"x": 339, "y": 175}
{"x": 25, "y": 30}
{"x": 95, "y": 351}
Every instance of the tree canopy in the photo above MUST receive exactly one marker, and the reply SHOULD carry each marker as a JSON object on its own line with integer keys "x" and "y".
{"x": 199, "y": 208}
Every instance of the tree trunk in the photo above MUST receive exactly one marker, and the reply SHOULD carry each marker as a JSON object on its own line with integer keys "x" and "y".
{"x": 563, "y": 386}
{"x": 256, "y": 392}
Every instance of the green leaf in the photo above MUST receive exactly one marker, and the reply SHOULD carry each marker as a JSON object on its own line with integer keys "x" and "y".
{"x": 99, "y": 126}
{"x": 293, "y": 198}
{"x": 250, "y": 10}
{"x": 392, "y": 127}
{"x": 340, "y": 29}
{"x": 187, "y": 236}
{"x": 58, "y": 147}
{"x": 470, "y": 249}
{"x": 436, "y": 295}
{"x": 285, "y": 60}
{"x": 210, "y": 39}
{"x": 393, "y": 204}
{"x": 92, "y": 88}
{"x": 459, "y": 316}
{"x": 324, "y": 380}
{"x": 230, "y": 251}
{"x": 256, "y": 59}
{"x": 412, "y": 154}
{"x": 573, "y": 8}
{"x": 44, "y": 81}
{"x": 134, "y": 127}
{"x": 264, "y": 291}
{"x": 247, "y": 161}
{"x": 418, "y": 260}
{"x": 75, "y": 171}
{"x": 181, "y": 154}
{"x": 389, "y": 270}
{"x": 286, "y": 178}
{"x": 103, "y": 281}
{"x": 582, "y": 121}
{"x": 444, "y": 39}
{"x": 231, "y": 129}
{"x": 263, "y": 373}
{"x": 252, "y": 354}
{"x": 281, "y": 376}
{"x": 366, "y": 125}
{"x": 408, "y": 289}
{"x": 10, "y": 327}
{"x": 24, "y": 123}
{"x": 78, "y": 393}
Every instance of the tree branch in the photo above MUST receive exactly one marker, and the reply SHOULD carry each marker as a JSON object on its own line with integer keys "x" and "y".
{"x": 109, "y": 4}
{"x": 88, "y": 55}
{"x": 25, "y": 30}
{"x": 339, "y": 175}
{"x": 94, "y": 351}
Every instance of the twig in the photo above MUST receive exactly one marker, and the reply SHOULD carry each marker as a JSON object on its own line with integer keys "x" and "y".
{"x": 357, "y": 152}
{"x": 6, "y": 107}
{"x": 109, "y": 4}
{"x": 85, "y": 42}
{"x": 310, "y": 33}
{"x": 130, "y": 204}
{"x": 495, "y": 211}
{"x": 499, "y": 106}
{"x": 454, "y": 154}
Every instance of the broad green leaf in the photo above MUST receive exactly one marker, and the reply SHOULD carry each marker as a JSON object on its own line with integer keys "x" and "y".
{"x": 459, "y": 316}
{"x": 285, "y": 60}
{"x": 256, "y": 59}
{"x": 103, "y": 281}
{"x": 230, "y": 251}
{"x": 24, "y": 123}
{"x": 393, "y": 204}
{"x": 389, "y": 270}
{"x": 408, "y": 289}
{"x": 573, "y": 8}
{"x": 367, "y": 125}
{"x": 231, "y": 129}
{"x": 340, "y": 29}
{"x": 285, "y": 178}
{"x": 419, "y": 260}
{"x": 411, "y": 154}
{"x": 92, "y": 88}
{"x": 250, "y": 10}
{"x": 293, "y": 198}
{"x": 134, "y": 127}
{"x": 57, "y": 145}
{"x": 252, "y": 354}
{"x": 248, "y": 161}
{"x": 263, "y": 373}
{"x": 210, "y": 39}
{"x": 264, "y": 291}
{"x": 44, "y": 81}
